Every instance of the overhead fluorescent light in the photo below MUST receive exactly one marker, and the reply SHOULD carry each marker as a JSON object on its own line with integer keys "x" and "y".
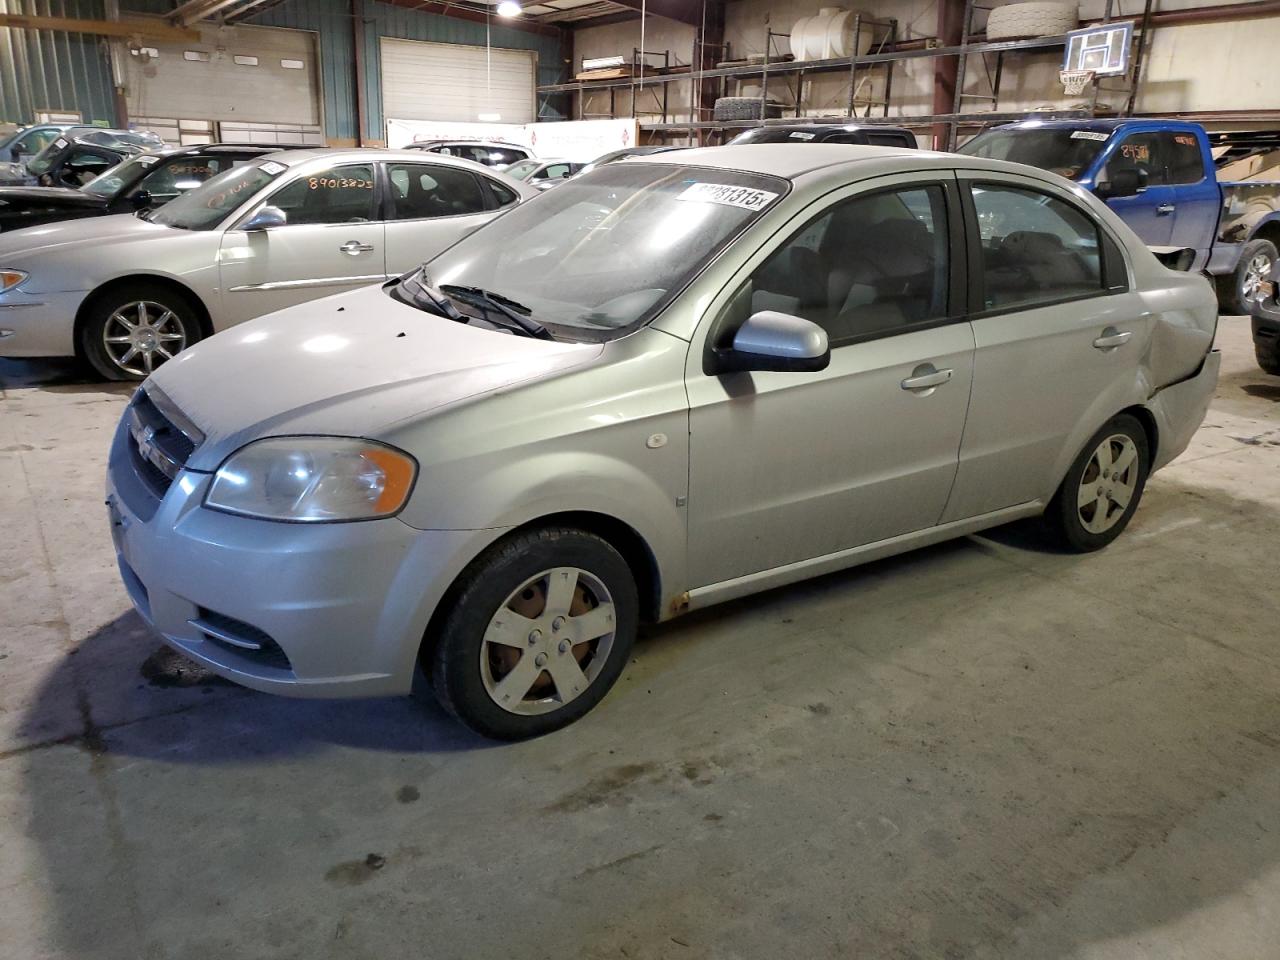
{"x": 508, "y": 8}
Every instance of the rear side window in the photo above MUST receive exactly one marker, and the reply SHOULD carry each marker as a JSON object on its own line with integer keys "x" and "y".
{"x": 1036, "y": 249}
{"x": 421, "y": 191}
{"x": 1183, "y": 160}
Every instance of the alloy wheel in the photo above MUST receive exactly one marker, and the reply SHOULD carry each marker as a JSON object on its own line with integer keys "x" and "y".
{"x": 1256, "y": 274}
{"x": 140, "y": 336}
{"x": 1108, "y": 483}
{"x": 548, "y": 641}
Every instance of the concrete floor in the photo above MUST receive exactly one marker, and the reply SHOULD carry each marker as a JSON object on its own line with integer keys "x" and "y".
{"x": 979, "y": 750}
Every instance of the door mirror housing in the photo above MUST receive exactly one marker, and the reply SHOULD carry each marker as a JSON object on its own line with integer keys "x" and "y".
{"x": 1125, "y": 182}
{"x": 141, "y": 200}
{"x": 265, "y": 219}
{"x": 770, "y": 340}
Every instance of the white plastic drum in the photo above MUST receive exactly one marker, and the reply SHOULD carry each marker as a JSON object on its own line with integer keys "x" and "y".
{"x": 827, "y": 34}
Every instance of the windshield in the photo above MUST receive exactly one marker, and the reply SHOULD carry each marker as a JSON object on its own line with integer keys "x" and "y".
{"x": 43, "y": 160}
{"x": 1063, "y": 151}
{"x": 112, "y": 181}
{"x": 606, "y": 251}
{"x": 521, "y": 168}
{"x": 209, "y": 204}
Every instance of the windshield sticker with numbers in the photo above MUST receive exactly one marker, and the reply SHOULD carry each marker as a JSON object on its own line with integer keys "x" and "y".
{"x": 59, "y": 144}
{"x": 146, "y": 160}
{"x": 801, "y": 135}
{"x": 271, "y": 168}
{"x": 748, "y": 198}
{"x": 1089, "y": 135}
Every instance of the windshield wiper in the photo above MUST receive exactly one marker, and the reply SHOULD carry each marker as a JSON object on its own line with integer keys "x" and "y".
{"x": 487, "y": 301}
{"x": 425, "y": 297}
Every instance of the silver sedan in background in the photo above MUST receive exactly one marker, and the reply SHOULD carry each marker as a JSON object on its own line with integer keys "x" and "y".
{"x": 128, "y": 292}
{"x": 668, "y": 383}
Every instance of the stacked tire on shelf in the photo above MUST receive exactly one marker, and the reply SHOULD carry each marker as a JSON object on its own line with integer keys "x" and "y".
{"x": 1016, "y": 21}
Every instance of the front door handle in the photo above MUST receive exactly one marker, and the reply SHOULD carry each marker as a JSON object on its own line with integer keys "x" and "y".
{"x": 925, "y": 377}
{"x": 1112, "y": 338}
{"x": 1165, "y": 209}
{"x": 354, "y": 248}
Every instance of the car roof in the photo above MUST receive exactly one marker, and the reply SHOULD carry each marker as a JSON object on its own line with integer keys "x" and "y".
{"x": 824, "y": 127}
{"x": 468, "y": 141}
{"x": 1109, "y": 124}
{"x": 293, "y": 158}
{"x": 786, "y": 160}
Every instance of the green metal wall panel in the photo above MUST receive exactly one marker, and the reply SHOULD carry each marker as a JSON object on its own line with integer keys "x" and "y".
{"x": 48, "y": 70}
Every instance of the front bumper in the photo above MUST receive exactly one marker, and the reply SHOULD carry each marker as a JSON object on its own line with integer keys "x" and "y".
{"x": 38, "y": 324}
{"x": 1180, "y": 408}
{"x": 344, "y": 606}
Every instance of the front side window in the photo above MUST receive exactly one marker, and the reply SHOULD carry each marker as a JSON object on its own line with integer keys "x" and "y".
{"x": 342, "y": 194}
{"x": 1035, "y": 248}
{"x": 1142, "y": 152}
{"x": 556, "y": 171}
{"x": 871, "y": 265}
{"x": 1183, "y": 160}
{"x": 606, "y": 251}
{"x": 1061, "y": 150}
{"x": 420, "y": 191}
{"x": 36, "y": 140}
{"x": 214, "y": 200}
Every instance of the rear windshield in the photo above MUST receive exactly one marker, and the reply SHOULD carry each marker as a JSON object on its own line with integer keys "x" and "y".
{"x": 1066, "y": 152}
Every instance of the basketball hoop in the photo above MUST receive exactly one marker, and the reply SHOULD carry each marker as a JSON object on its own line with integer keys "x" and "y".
{"x": 1074, "y": 81}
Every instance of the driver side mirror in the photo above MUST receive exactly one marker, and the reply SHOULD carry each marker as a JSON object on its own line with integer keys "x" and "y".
{"x": 141, "y": 200}
{"x": 265, "y": 219}
{"x": 770, "y": 340}
{"x": 1125, "y": 182}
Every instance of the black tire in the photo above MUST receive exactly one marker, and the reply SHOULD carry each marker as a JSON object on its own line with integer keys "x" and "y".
{"x": 1268, "y": 354}
{"x": 453, "y": 655}
{"x": 1064, "y": 512}
{"x": 110, "y": 302}
{"x": 1233, "y": 296}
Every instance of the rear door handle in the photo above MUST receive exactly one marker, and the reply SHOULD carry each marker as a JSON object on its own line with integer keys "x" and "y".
{"x": 1165, "y": 208}
{"x": 926, "y": 377}
{"x": 1112, "y": 338}
{"x": 355, "y": 247}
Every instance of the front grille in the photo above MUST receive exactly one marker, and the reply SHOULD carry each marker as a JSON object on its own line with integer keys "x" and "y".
{"x": 243, "y": 639}
{"x": 161, "y": 439}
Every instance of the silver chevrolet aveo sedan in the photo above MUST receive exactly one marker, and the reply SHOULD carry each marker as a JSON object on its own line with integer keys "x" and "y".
{"x": 667, "y": 383}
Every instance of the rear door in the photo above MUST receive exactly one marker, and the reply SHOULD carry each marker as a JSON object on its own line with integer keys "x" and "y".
{"x": 429, "y": 208}
{"x": 1058, "y": 334}
{"x": 332, "y": 241}
{"x": 1150, "y": 214}
{"x": 1197, "y": 196}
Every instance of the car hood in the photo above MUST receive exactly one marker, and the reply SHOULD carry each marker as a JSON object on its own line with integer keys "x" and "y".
{"x": 19, "y": 198}
{"x": 33, "y": 242}
{"x": 351, "y": 365}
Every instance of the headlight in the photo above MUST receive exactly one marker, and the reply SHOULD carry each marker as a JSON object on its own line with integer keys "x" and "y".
{"x": 10, "y": 279}
{"x": 313, "y": 480}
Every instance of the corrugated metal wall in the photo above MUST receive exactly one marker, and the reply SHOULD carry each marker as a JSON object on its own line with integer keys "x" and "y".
{"x": 332, "y": 20}
{"x": 47, "y": 70}
{"x": 60, "y": 71}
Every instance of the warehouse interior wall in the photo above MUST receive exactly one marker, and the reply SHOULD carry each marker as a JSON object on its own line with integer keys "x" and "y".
{"x": 1202, "y": 67}
{"x": 44, "y": 70}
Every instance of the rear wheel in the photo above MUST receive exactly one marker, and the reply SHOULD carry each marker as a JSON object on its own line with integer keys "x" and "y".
{"x": 1101, "y": 490}
{"x": 1268, "y": 354}
{"x": 539, "y": 629}
{"x": 133, "y": 329}
{"x": 1241, "y": 289}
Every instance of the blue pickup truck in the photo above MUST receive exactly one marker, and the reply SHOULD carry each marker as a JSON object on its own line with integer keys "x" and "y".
{"x": 1160, "y": 176}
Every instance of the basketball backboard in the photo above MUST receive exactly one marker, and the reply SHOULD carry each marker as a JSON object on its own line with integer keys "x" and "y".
{"x": 1103, "y": 49}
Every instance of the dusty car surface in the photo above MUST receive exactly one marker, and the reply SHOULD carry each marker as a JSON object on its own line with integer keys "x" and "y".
{"x": 669, "y": 382}
{"x": 127, "y": 293}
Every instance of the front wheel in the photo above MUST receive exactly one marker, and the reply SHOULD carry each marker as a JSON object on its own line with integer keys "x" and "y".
{"x": 1240, "y": 290}
{"x": 132, "y": 329}
{"x": 539, "y": 629}
{"x": 1101, "y": 490}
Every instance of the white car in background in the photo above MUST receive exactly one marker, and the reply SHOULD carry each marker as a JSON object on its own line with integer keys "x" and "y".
{"x": 127, "y": 292}
{"x": 542, "y": 174}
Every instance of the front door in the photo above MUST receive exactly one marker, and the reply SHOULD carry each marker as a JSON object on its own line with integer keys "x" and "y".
{"x": 1057, "y": 333}
{"x": 1149, "y": 214}
{"x": 431, "y": 207}
{"x": 331, "y": 241}
{"x": 787, "y": 467}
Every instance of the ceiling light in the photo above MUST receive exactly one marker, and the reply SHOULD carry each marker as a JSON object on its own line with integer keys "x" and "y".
{"x": 508, "y": 8}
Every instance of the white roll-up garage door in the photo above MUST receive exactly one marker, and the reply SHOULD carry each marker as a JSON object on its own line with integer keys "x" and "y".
{"x": 235, "y": 74}
{"x": 449, "y": 81}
